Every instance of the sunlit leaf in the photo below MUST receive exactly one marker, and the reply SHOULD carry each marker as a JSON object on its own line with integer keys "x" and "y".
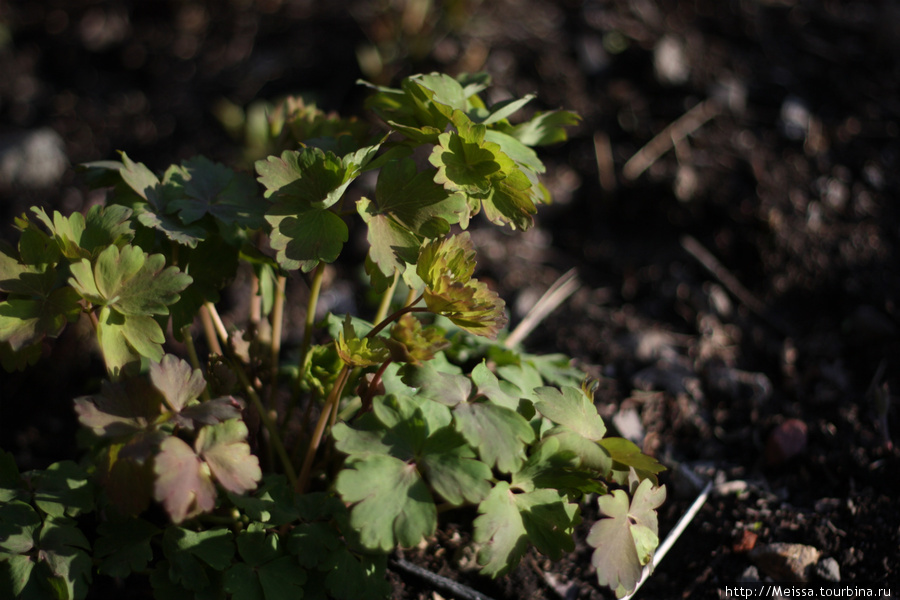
{"x": 391, "y": 503}
{"x": 625, "y": 539}
{"x": 572, "y": 408}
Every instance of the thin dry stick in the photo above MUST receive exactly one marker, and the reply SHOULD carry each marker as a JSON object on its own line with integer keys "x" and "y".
{"x": 555, "y": 295}
{"x": 673, "y": 536}
{"x": 731, "y": 283}
{"x": 683, "y": 126}
{"x": 209, "y": 331}
{"x": 606, "y": 171}
{"x": 217, "y": 321}
{"x": 277, "y": 324}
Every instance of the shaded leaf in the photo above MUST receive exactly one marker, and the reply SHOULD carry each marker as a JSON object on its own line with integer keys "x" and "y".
{"x": 447, "y": 388}
{"x": 124, "y": 546}
{"x": 63, "y": 548}
{"x": 183, "y": 483}
{"x": 212, "y": 188}
{"x": 63, "y": 488}
{"x": 177, "y": 381}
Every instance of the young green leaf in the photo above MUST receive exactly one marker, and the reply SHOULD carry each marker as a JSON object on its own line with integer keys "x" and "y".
{"x": 11, "y": 485}
{"x": 452, "y": 469}
{"x": 26, "y": 321}
{"x": 278, "y": 579}
{"x": 19, "y": 523}
{"x": 411, "y": 342}
{"x": 624, "y": 541}
{"x": 508, "y": 521}
{"x": 447, "y": 388}
{"x": 545, "y": 128}
{"x": 124, "y": 340}
{"x": 498, "y": 433}
{"x": 271, "y": 502}
{"x": 304, "y": 236}
{"x": 554, "y": 466}
{"x": 392, "y": 504}
{"x": 571, "y": 408}
{"x": 129, "y": 280}
{"x": 81, "y": 236}
{"x": 627, "y": 456}
{"x": 360, "y": 351}
{"x": 498, "y": 392}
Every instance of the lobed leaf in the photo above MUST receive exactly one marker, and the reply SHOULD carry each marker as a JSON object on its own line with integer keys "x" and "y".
{"x": 124, "y": 546}
{"x": 63, "y": 548}
{"x": 508, "y": 521}
{"x": 411, "y": 342}
{"x": 626, "y": 456}
{"x": 572, "y": 408}
{"x": 624, "y": 541}
{"x": 189, "y": 553}
{"x": 391, "y": 503}
{"x": 225, "y": 450}
{"x": 183, "y": 483}
{"x": 214, "y": 189}
{"x": 360, "y": 351}
{"x": 498, "y": 433}
{"x": 177, "y": 381}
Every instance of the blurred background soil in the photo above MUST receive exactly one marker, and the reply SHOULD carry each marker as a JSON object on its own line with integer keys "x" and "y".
{"x": 729, "y": 202}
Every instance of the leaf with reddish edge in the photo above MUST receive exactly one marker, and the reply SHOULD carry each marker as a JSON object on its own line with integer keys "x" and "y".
{"x": 225, "y": 450}
{"x": 183, "y": 482}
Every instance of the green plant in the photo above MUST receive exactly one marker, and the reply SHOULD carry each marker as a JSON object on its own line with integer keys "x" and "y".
{"x": 279, "y": 473}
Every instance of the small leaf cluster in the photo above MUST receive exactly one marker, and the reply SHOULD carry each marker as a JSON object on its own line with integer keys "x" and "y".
{"x": 242, "y": 469}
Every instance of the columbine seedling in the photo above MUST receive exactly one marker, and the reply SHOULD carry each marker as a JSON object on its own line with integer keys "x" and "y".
{"x": 294, "y": 474}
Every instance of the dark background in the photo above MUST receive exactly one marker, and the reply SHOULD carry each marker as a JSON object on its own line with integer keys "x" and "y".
{"x": 791, "y": 186}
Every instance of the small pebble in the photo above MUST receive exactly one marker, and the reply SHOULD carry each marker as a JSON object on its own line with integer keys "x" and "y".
{"x": 828, "y": 569}
{"x": 785, "y": 562}
{"x": 786, "y": 441}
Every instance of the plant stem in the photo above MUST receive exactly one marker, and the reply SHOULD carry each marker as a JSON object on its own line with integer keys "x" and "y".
{"x": 331, "y": 404}
{"x": 209, "y": 331}
{"x": 192, "y": 354}
{"x": 315, "y": 288}
{"x": 277, "y": 327}
{"x": 385, "y": 305}
{"x": 268, "y": 423}
{"x": 396, "y": 315}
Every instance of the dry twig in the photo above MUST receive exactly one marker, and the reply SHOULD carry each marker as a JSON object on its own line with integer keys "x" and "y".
{"x": 676, "y": 131}
{"x": 555, "y": 295}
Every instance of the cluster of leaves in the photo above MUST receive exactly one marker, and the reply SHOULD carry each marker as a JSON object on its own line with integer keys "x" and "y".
{"x": 418, "y": 410}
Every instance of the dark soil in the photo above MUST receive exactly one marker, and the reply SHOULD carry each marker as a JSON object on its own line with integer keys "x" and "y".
{"x": 741, "y": 289}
